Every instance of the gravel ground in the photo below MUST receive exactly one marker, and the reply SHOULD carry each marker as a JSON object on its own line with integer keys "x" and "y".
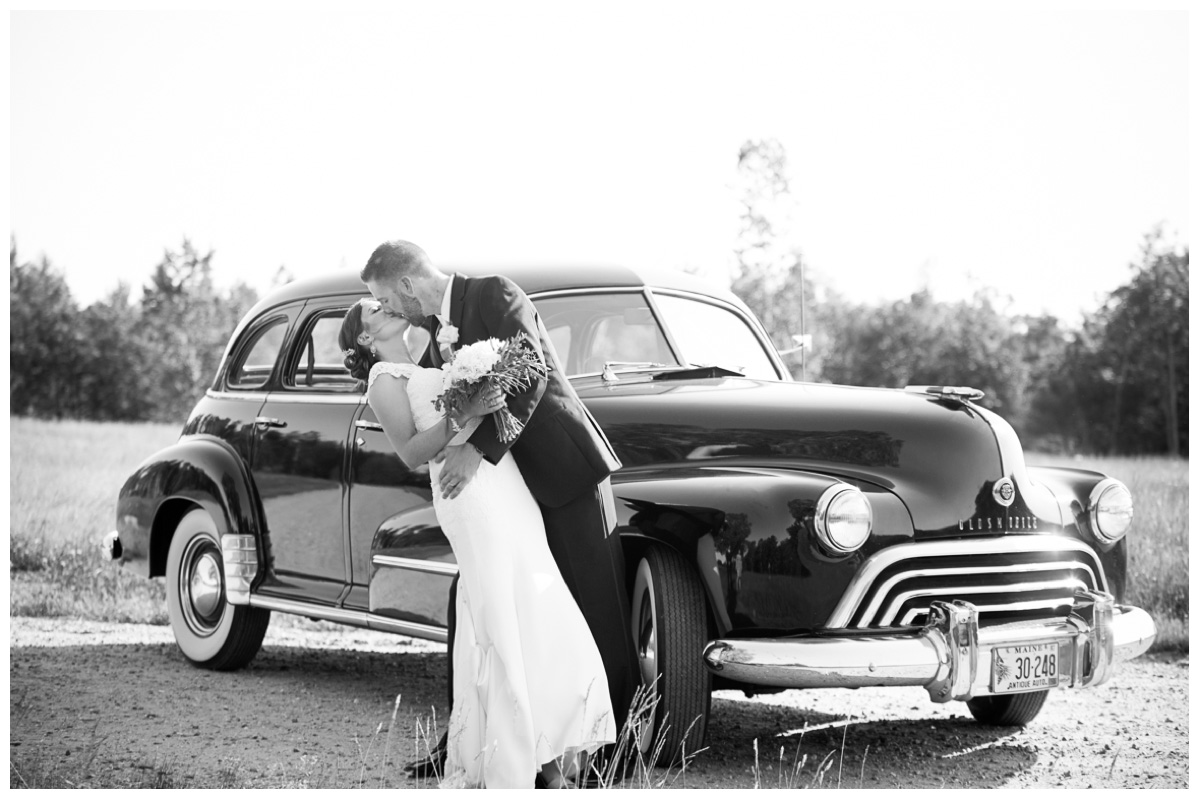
{"x": 107, "y": 703}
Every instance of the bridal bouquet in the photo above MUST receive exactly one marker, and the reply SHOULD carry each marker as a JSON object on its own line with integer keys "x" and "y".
{"x": 512, "y": 365}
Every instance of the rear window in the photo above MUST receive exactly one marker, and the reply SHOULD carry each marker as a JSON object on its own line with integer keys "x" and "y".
{"x": 256, "y": 360}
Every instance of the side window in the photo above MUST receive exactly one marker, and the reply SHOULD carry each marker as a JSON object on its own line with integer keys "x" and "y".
{"x": 253, "y": 368}
{"x": 317, "y": 361}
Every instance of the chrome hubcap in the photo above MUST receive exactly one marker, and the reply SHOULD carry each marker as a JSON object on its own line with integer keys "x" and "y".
{"x": 647, "y": 640}
{"x": 201, "y": 586}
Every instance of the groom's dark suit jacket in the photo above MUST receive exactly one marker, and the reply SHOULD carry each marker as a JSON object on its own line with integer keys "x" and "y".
{"x": 565, "y": 460}
{"x": 562, "y": 452}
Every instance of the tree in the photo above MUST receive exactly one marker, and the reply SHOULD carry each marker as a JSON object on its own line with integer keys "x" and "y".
{"x": 184, "y": 327}
{"x": 1127, "y": 369}
{"x": 920, "y": 341}
{"x": 43, "y": 339}
{"x": 114, "y": 376}
{"x": 769, "y": 272}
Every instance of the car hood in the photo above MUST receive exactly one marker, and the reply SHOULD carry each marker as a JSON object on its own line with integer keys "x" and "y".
{"x": 940, "y": 456}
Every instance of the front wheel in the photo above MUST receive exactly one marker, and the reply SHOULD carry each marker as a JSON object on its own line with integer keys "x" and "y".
{"x": 210, "y": 632}
{"x": 1008, "y": 709}
{"x": 670, "y": 629}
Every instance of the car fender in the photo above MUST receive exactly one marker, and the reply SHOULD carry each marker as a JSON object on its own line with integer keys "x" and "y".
{"x": 712, "y": 515}
{"x": 196, "y": 471}
{"x": 1072, "y": 489}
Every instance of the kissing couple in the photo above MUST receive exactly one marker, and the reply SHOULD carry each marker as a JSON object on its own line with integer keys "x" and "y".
{"x": 542, "y": 667}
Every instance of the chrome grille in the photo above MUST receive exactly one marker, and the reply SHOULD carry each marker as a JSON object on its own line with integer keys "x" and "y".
{"x": 1008, "y": 579}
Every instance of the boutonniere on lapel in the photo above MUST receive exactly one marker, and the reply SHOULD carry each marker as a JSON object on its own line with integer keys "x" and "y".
{"x": 447, "y": 335}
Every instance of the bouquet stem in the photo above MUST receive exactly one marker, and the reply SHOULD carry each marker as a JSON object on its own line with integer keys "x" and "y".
{"x": 508, "y": 427}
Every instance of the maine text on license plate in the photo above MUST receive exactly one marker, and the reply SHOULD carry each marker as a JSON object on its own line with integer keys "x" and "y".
{"x": 1025, "y": 667}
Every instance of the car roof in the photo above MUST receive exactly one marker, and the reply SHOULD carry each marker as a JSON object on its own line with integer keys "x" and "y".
{"x": 532, "y": 278}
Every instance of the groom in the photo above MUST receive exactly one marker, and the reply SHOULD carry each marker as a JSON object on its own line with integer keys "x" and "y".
{"x": 561, "y": 452}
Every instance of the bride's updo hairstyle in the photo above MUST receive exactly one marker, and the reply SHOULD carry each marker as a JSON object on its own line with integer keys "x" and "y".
{"x": 358, "y": 359}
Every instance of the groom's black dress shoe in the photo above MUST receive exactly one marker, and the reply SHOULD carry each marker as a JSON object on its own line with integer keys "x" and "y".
{"x": 433, "y": 766}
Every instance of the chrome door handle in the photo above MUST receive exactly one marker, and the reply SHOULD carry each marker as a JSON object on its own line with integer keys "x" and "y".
{"x": 269, "y": 422}
{"x": 368, "y": 426}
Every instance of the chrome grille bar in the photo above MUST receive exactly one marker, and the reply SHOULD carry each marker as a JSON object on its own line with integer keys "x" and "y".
{"x": 1069, "y": 585}
{"x": 910, "y": 618}
{"x": 885, "y": 589}
{"x": 864, "y": 592}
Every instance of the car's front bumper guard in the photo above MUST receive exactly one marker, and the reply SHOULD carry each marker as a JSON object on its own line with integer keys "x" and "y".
{"x": 950, "y": 657}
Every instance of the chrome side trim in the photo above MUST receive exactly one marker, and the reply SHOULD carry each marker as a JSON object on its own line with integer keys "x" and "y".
{"x": 417, "y": 565}
{"x": 1041, "y": 500}
{"x": 413, "y": 629}
{"x": 357, "y": 619}
{"x": 329, "y": 613}
{"x": 318, "y": 398}
{"x": 329, "y": 398}
{"x": 257, "y": 397}
{"x": 546, "y": 295}
{"x": 859, "y": 587}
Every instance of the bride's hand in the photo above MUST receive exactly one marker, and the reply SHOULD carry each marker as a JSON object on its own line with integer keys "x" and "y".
{"x": 487, "y": 400}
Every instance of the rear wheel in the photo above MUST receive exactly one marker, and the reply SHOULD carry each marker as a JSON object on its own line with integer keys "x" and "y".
{"x": 1008, "y": 709}
{"x": 210, "y": 632}
{"x": 670, "y": 629}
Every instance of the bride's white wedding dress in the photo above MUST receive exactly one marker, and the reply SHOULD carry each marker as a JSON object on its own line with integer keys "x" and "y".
{"x": 529, "y": 684}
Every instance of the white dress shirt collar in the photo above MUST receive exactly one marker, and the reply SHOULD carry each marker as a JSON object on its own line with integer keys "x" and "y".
{"x": 444, "y": 316}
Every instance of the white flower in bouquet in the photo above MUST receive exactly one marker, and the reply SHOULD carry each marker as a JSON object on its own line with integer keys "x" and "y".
{"x": 475, "y": 361}
{"x": 513, "y": 365}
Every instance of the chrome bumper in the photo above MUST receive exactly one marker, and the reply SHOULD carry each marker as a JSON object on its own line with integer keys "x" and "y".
{"x": 950, "y": 657}
{"x": 110, "y": 546}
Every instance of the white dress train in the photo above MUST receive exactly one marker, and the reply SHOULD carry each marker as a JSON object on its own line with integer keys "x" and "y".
{"x": 529, "y": 684}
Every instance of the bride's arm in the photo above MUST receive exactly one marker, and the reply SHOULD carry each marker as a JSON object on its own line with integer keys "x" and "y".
{"x": 389, "y": 399}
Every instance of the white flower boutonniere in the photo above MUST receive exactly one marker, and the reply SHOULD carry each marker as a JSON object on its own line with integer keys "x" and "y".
{"x": 447, "y": 335}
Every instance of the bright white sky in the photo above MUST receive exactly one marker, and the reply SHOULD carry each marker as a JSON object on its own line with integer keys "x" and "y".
{"x": 953, "y": 146}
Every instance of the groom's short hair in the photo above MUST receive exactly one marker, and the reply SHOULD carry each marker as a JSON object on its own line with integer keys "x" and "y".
{"x": 393, "y": 260}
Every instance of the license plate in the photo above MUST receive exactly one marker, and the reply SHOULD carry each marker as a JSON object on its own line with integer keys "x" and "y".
{"x": 1025, "y": 667}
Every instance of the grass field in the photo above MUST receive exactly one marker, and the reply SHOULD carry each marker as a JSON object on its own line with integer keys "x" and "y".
{"x": 65, "y": 477}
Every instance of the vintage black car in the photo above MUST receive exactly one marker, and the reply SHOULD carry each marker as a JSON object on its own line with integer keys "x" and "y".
{"x": 778, "y": 534}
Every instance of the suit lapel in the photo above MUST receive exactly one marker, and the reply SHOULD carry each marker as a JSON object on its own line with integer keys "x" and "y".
{"x": 458, "y": 291}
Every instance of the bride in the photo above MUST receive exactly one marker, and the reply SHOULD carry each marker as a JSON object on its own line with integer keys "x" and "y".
{"x": 530, "y": 693}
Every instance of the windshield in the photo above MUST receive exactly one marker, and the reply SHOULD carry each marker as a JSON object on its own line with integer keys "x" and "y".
{"x": 710, "y": 334}
{"x": 620, "y": 328}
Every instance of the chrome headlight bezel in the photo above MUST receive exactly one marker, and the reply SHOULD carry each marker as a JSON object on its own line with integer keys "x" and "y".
{"x": 1106, "y": 493}
{"x": 830, "y": 533}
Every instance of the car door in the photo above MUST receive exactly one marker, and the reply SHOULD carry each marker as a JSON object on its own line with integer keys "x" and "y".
{"x": 300, "y": 461}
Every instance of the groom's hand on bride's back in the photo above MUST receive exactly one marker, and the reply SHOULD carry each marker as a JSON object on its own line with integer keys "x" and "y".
{"x": 458, "y": 468}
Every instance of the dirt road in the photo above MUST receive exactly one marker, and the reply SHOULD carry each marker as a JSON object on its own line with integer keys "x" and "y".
{"x": 104, "y": 702}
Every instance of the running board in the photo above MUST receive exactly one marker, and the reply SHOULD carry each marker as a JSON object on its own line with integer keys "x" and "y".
{"x": 357, "y": 619}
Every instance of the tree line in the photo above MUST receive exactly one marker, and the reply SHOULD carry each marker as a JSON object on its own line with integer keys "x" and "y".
{"x": 118, "y": 359}
{"x": 1117, "y": 384}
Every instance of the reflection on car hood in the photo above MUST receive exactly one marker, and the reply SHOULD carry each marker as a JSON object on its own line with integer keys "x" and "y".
{"x": 939, "y": 456}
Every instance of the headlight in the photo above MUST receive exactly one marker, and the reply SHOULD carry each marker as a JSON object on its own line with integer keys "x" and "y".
{"x": 843, "y": 519}
{"x": 1111, "y": 509}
